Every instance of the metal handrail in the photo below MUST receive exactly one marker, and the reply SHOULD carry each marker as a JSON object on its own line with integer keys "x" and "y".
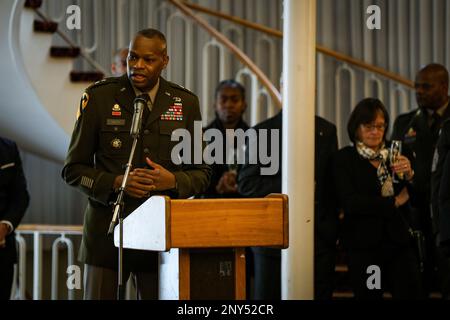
{"x": 276, "y": 33}
{"x": 83, "y": 53}
{"x": 274, "y": 93}
{"x": 50, "y": 229}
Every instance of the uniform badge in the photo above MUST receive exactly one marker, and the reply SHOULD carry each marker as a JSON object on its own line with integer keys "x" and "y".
{"x": 177, "y": 99}
{"x": 411, "y": 133}
{"x": 84, "y": 101}
{"x": 116, "y": 111}
{"x": 167, "y": 93}
{"x": 116, "y": 143}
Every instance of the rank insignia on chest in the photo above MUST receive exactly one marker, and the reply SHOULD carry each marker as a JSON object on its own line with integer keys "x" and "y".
{"x": 116, "y": 143}
{"x": 116, "y": 111}
{"x": 174, "y": 113}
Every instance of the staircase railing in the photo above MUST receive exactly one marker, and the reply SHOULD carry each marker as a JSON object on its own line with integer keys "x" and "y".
{"x": 274, "y": 93}
{"x": 66, "y": 39}
{"x": 276, "y": 33}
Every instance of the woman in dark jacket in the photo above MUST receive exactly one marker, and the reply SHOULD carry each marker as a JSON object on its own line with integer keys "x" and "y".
{"x": 376, "y": 214}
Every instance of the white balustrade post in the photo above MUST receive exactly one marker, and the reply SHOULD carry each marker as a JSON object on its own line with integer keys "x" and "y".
{"x": 55, "y": 264}
{"x": 37, "y": 266}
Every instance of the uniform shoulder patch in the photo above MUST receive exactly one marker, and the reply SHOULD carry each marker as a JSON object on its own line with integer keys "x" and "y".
{"x": 83, "y": 103}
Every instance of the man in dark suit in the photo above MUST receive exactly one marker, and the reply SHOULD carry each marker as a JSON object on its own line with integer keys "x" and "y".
{"x": 14, "y": 201}
{"x": 440, "y": 181}
{"x": 441, "y": 189}
{"x": 252, "y": 184}
{"x": 419, "y": 130}
{"x": 100, "y": 148}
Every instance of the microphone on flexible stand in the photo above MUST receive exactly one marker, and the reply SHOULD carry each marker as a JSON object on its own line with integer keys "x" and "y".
{"x": 139, "y": 104}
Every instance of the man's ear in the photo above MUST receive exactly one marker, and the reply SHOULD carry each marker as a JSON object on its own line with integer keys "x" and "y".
{"x": 166, "y": 61}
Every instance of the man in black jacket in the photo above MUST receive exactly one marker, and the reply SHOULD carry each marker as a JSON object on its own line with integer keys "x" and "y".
{"x": 441, "y": 189}
{"x": 419, "y": 130}
{"x": 440, "y": 181}
{"x": 252, "y": 184}
{"x": 14, "y": 201}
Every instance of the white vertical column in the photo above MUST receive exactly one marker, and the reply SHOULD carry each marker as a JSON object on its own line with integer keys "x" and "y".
{"x": 299, "y": 74}
{"x": 37, "y": 266}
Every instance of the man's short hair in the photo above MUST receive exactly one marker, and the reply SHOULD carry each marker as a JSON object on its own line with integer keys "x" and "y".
{"x": 439, "y": 70}
{"x": 152, "y": 33}
{"x": 230, "y": 83}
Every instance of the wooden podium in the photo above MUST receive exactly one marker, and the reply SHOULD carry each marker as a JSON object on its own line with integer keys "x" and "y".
{"x": 211, "y": 235}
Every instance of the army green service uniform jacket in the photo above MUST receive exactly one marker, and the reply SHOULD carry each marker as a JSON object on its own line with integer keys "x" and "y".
{"x": 100, "y": 147}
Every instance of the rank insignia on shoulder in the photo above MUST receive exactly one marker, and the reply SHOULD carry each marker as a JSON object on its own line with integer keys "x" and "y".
{"x": 116, "y": 110}
{"x": 116, "y": 143}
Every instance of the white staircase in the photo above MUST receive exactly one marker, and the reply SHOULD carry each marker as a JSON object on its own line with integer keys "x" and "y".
{"x": 38, "y": 101}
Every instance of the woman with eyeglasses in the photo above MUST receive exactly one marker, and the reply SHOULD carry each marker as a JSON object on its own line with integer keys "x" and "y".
{"x": 381, "y": 254}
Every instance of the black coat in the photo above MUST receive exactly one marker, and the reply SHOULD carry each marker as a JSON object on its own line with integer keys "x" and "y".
{"x": 219, "y": 169}
{"x": 370, "y": 220}
{"x": 441, "y": 185}
{"x": 14, "y": 196}
{"x": 252, "y": 184}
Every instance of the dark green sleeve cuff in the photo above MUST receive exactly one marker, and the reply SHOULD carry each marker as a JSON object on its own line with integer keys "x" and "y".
{"x": 103, "y": 187}
{"x": 183, "y": 188}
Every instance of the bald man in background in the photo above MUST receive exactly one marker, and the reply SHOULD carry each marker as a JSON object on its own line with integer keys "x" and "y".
{"x": 119, "y": 63}
{"x": 419, "y": 130}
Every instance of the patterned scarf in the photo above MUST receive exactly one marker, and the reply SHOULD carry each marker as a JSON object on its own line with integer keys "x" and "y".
{"x": 384, "y": 178}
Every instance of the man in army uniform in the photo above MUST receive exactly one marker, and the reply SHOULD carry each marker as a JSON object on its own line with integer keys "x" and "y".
{"x": 419, "y": 130}
{"x": 100, "y": 147}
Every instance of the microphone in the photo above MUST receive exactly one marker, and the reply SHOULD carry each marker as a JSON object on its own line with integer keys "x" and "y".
{"x": 139, "y": 104}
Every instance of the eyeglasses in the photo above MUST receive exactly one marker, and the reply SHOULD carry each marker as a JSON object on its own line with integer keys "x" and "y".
{"x": 370, "y": 127}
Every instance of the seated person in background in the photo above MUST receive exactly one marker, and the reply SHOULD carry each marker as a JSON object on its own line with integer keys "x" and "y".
{"x": 14, "y": 201}
{"x": 267, "y": 261}
{"x": 376, "y": 210}
{"x": 229, "y": 106}
{"x": 119, "y": 63}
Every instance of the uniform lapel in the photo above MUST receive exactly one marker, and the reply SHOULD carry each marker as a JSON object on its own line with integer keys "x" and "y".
{"x": 126, "y": 95}
{"x": 163, "y": 101}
